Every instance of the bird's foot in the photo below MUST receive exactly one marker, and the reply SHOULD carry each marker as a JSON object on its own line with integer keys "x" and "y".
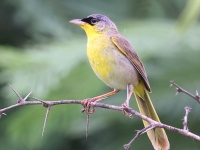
{"x": 124, "y": 106}
{"x": 86, "y": 104}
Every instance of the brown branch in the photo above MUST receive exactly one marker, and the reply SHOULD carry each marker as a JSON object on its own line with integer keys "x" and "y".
{"x": 185, "y": 118}
{"x": 181, "y": 90}
{"x": 107, "y": 106}
{"x": 153, "y": 124}
{"x": 139, "y": 132}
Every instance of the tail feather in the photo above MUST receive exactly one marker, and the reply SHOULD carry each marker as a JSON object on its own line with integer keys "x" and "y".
{"x": 157, "y": 136}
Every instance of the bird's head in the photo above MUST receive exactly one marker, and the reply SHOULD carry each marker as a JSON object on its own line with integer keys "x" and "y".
{"x": 96, "y": 24}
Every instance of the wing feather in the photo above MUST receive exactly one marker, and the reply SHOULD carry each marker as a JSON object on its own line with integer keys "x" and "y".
{"x": 125, "y": 48}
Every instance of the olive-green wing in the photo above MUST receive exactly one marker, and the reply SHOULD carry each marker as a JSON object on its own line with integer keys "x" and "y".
{"x": 125, "y": 48}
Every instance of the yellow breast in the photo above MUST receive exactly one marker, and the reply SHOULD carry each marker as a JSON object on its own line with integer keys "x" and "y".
{"x": 109, "y": 64}
{"x": 99, "y": 57}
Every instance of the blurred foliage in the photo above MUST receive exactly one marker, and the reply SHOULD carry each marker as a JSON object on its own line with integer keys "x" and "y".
{"x": 41, "y": 52}
{"x": 190, "y": 14}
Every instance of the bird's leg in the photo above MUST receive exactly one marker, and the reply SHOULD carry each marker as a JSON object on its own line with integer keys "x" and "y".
{"x": 126, "y": 103}
{"x": 86, "y": 102}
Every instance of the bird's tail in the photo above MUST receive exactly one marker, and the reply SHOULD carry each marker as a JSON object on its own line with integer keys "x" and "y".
{"x": 157, "y": 136}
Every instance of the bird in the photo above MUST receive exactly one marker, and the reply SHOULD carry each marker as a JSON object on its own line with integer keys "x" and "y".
{"x": 116, "y": 63}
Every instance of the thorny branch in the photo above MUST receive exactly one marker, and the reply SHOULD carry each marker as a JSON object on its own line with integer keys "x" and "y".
{"x": 185, "y": 118}
{"x": 153, "y": 124}
{"x": 139, "y": 132}
{"x": 181, "y": 90}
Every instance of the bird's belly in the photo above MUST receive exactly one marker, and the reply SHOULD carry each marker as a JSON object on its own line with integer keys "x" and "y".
{"x": 112, "y": 67}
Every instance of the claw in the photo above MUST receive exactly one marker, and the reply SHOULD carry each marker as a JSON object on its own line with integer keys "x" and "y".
{"x": 124, "y": 105}
{"x": 87, "y": 108}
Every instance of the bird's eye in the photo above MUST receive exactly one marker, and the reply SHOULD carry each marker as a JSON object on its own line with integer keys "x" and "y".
{"x": 94, "y": 20}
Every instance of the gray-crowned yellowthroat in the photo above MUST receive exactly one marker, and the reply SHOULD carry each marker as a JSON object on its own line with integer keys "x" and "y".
{"x": 116, "y": 63}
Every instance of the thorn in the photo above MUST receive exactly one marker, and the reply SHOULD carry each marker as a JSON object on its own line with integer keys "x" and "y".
{"x": 1, "y": 114}
{"x": 172, "y": 82}
{"x": 20, "y": 98}
{"x": 45, "y": 104}
{"x": 35, "y": 98}
{"x": 176, "y": 94}
{"x": 45, "y": 120}
{"x": 87, "y": 125}
{"x": 197, "y": 93}
{"x": 27, "y": 96}
{"x": 83, "y": 110}
{"x": 48, "y": 106}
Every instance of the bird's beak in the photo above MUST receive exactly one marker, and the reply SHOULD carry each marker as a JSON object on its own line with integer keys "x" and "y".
{"x": 77, "y": 22}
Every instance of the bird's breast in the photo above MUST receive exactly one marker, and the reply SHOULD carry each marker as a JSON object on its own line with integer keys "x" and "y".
{"x": 98, "y": 53}
{"x": 109, "y": 64}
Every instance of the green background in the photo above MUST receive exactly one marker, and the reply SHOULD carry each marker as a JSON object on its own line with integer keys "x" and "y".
{"x": 40, "y": 51}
